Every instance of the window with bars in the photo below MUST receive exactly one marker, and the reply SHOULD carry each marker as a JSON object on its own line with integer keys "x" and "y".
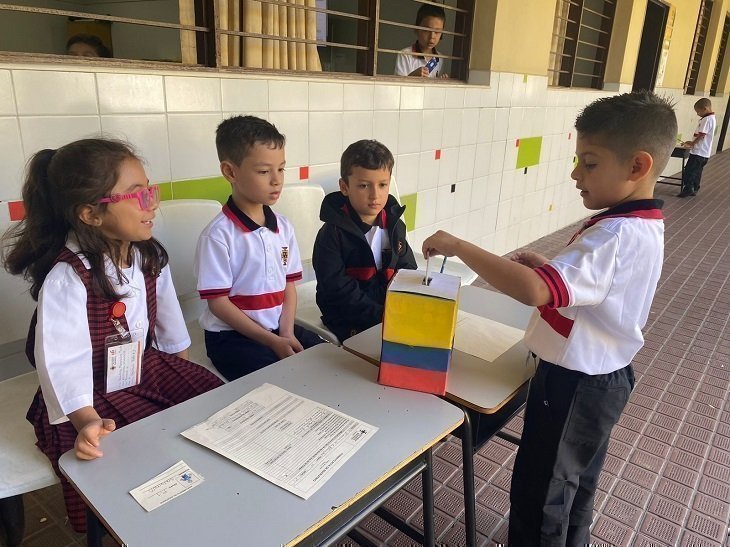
{"x": 698, "y": 46}
{"x": 720, "y": 57}
{"x": 345, "y": 36}
{"x": 581, "y": 38}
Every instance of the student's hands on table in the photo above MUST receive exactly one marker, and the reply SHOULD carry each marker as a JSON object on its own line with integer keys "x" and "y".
{"x": 86, "y": 446}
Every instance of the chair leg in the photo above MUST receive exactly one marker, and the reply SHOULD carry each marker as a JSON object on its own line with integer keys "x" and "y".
{"x": 12, "y": 519}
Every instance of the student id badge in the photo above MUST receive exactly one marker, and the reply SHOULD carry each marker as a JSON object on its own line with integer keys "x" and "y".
{"x": 432, "y": 64}
{"x": 123, "y": 355}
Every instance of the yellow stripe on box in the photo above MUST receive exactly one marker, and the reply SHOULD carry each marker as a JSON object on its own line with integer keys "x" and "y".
{"x": 417, "y": 320}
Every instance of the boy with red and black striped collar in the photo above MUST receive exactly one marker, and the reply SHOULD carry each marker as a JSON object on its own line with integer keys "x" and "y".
{"x": 362, "y": 243}
{"x": 592, "y": 301}
{"x": 247, "y": 258}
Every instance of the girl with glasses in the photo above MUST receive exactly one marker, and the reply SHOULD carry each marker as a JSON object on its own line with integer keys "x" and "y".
{"x": 108, "y": 337}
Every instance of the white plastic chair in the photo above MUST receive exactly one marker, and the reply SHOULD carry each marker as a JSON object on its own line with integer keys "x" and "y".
{"x": 300, "y": 203}
{"x": 453, "y": 265}
{"x": 177, "y": 226}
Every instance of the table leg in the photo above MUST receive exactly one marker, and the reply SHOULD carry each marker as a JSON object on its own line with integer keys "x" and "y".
{"x": 467, "y": 447}
{"x": 12, "y": 517}
{"x": 94, "y": 529}
{"x": 429, "y": 538}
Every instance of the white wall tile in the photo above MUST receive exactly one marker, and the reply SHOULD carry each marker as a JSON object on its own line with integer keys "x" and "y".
{"x": 47, "y": 93}
{"x": 411, "y": 98}
{"x": 448, "y": 165}
{"x": 501, "y": 124}
{"x": 356, "y": 126}
{"x": 426, "y": 208}
{"x": 514, "y": 129}
{"x": 455, "y": 97}
{"x": 384, "y": 128}
{"x": 472, "y": 97}
{"x": 288, "y": 95}
{"x": 192, "y": 145}
{"x": 434, "y": 97}
{"x": 130, "y": 93}
{"x": 452, "y": 129}
{"x": 325, "y": 96}
{"x": 494, "y": 188}
{"x": 148, "y": 134}
{"x": 244, "y": 95}
{"x": 327, "y": 175}
{"x": 469, "y": 126}
{"x": 295, "y": 127}
{"x": 474, "y": 226}
{"x": 504, "y": 93}
{"x": 407, "y": 173}
{"x": 41, "y": 132}
{"x": 478, "y": 193}
{"x": 192, "y": 94}
{"x": 409, "y": 131}
{"x": 459, "y": 226}
{"x": 433, "y": 128}
{"x": 325, "y": 137}
{"x": 485, "y": 128}
{"x": 358, "y": 96}
{"x": 497, "y": 160}
{"x": 482, "y": 157}
{"x": 386, "y": 97}
{"x": 428, "y": 173}
{"x": 7, "y": 97}
{"x": 462, "y": 198}
{"x": 445, "y": 200}
{"x": 503, "y": 214}
{"x": 489, "y": 221}
{"x": 11, "y": 159}
{"x": 465, "y": 167}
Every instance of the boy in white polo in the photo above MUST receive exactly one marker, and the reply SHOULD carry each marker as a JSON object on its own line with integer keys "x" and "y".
{"x": 247, "y": 258}
{"x": 592, "y": 301}
{"x": 421, "y": 58}
{"x": 700, "y": 148}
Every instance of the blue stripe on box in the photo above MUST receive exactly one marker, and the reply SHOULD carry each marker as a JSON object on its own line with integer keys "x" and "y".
{"x": 436, "y": 359}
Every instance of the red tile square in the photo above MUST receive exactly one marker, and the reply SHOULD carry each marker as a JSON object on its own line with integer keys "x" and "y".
{"x": 16, "y": 209}
{"x": 437, "y": 155}
{"x": 304, "y": 172}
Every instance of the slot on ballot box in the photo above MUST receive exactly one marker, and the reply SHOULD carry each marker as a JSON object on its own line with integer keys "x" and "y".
{"x": 418, "y": 330}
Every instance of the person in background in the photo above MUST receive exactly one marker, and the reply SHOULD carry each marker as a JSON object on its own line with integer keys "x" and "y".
{"x": 421, "y": 59}
{"x": 86, "y": 45}
{"x": 700, "y": 148}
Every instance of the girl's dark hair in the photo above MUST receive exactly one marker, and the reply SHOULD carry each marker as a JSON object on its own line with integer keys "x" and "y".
{"x": 58, "y": 184}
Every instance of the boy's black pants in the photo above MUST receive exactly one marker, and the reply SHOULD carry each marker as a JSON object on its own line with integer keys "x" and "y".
{"x": 568, "y": 420}
{"x": 693, "y": 173}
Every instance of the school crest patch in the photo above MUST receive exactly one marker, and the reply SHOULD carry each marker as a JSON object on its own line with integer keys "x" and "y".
{"x": 285, "y": 255}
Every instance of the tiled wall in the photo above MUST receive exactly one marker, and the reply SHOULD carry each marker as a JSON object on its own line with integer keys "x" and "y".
{"x": 456, "y": 146}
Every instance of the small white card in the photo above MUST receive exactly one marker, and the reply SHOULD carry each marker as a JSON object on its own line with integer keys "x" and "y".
{"x": 123, "y": 365}
{"x": 166, "y": 486}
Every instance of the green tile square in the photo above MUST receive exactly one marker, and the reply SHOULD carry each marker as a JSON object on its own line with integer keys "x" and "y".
{"x": 409, "y": 216}
{"x": 528, "y": 152}
{"x": 217, "y": 188}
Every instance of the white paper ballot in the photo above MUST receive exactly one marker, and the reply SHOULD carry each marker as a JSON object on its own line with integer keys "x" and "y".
{"x": 294, "y": 442}
{"x": 166, "y": 486}
{"x": 484, "y": 338}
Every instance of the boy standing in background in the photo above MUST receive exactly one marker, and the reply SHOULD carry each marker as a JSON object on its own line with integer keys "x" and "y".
{"x": 700, "y": 148}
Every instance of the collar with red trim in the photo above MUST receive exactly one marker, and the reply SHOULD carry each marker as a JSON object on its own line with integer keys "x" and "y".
{"x": 708, "y": 114}
{"x": 640, "y": 208}
{"x": 243, "y": 221}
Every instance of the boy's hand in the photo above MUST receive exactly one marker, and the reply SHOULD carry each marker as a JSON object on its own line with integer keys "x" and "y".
{"x": 440, "y": 243}
{"x": 282, "y": 347}
{"x": 86, "y": 446}
{"x": 529, "y": 259}
{"x": 421, "y": 72}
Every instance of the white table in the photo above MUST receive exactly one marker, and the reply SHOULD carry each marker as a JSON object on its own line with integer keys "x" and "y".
{"x": 235, "y": 506}
{"x": 490, "y": 392}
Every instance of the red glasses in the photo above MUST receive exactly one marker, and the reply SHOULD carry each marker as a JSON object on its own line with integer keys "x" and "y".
{"x": 148, "y": 198}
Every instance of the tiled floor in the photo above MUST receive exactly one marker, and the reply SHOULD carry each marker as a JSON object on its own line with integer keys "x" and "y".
{"x": 666, "y": 480}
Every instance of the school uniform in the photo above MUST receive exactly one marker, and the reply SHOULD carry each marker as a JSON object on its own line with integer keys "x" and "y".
{"x": 699, "y": 155}
{"x": 66, "y": 342}
{"x": 406, "y": 63}
{"x": 251, "y": 265}
{"x": 602, "y": 286}
{"x": 354, "y": 261}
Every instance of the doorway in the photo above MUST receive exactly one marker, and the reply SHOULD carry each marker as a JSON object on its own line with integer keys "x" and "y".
{"x": 650, "y": 48}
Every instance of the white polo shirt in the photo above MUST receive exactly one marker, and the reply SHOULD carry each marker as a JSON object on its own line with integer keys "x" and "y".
{"x": 406, "y": 63}
{"x": 706, "y": 128}
{"x": 602, "y": 285}
{"x": 248, "y": 263}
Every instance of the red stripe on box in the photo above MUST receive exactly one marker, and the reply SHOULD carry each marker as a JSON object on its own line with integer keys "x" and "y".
{"x": 16, "y": 209}
{"x": 427, "y": 381}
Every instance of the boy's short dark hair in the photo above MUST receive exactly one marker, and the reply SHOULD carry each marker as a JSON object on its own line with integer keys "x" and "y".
{"x": 368, "y": 154}
{"x": 429, "y": 10}
{"x": 630, "y": 122}
{"x": 236, "y": 135}
{"x": 90, "y": 40}
{"x": 704, "y": 102}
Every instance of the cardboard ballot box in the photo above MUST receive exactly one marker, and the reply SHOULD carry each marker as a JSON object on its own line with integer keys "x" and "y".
{"x": 418, "y": 331}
